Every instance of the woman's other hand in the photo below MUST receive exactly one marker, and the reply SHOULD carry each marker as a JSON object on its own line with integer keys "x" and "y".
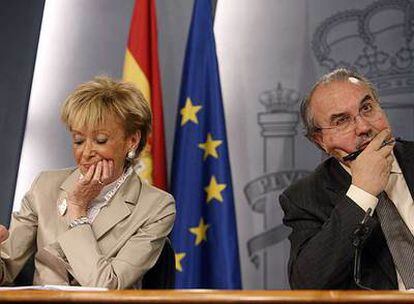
{"x": 4, "y": 233}
{"x": 88, "y": 187}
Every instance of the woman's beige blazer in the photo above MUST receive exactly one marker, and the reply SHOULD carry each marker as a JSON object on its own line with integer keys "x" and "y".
{"x": 123, "y": 242}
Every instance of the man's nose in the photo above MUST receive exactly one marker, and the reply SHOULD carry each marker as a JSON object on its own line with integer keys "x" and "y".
{"x": 361, "y": 125}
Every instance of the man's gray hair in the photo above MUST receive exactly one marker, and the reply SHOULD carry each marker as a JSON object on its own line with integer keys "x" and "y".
{"x": 340, "y": 74}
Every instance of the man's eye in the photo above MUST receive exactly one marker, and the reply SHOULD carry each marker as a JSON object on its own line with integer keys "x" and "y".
{"x": 366, "y": 108}
{"x": 78, "y": 142}
{"x": 340, "y": 121}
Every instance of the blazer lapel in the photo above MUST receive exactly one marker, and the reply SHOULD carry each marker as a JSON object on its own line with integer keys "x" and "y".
{"x": 65, "y": 188}
{"x": 117, "y": 209}
{"x": 337, "y": 179}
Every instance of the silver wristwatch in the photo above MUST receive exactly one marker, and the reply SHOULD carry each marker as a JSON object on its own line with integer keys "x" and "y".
{"x": 83, "y": 220}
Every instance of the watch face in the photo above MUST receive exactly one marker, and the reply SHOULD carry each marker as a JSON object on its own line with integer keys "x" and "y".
{"x": 63, "y": 207}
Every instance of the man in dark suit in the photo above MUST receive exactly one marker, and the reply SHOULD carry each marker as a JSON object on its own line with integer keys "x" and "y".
{"x": 342, "y": 114}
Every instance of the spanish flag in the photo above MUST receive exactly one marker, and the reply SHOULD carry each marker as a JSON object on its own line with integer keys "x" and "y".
{"x": 141, "y": 68}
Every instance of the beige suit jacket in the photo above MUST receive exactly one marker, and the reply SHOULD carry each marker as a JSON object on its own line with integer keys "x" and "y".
{"x": 123, "y": 242}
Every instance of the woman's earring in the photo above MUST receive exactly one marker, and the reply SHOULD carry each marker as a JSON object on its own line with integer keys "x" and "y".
{"x": 131, "y": 155}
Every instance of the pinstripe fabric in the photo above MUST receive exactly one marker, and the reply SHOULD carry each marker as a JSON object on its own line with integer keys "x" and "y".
{"x": 399, "y": 238}
{"x": 323, "y": 220}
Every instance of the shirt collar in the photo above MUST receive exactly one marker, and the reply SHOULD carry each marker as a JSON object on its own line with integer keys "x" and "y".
{"x": 395, "y": 166}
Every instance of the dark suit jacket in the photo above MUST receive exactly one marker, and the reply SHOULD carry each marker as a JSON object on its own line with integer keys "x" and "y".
{"x": 323, "y": 219}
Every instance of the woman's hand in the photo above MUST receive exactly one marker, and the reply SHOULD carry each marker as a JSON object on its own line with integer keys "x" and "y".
{"x": 4, "y": 233}
{"x": 88, "y": 187}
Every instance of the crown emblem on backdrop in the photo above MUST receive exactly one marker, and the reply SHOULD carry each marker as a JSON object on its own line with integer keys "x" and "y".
{"x": 376, "y": 41}
{"x": 279, "y": 99}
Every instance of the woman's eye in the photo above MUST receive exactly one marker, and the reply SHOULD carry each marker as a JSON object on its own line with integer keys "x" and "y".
{"x": 101, "y": 141}
{"x": 78, "y": 141}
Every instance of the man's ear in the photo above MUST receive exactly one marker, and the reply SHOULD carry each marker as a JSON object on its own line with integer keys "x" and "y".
{"x": 317, "y": 138}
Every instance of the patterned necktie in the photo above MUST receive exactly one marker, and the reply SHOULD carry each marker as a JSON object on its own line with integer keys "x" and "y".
{"x": 399, "y": 238}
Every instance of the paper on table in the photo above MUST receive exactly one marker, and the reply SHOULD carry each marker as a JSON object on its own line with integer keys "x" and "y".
{"x": 54, "y": 287}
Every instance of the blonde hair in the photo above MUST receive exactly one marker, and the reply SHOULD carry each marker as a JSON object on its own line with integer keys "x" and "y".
{"x": 94, "y": 101}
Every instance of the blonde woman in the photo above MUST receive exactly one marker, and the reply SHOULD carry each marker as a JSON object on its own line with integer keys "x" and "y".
{"x": 97, "y": 224}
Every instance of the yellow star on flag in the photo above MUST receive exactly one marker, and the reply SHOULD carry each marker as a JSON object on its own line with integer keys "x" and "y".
{"x": 200, "y": 231}
{"x": 178, "y": 258}
{"x": 210, "y": 146}
{"x": 214, "y": 190}
{"x": 189, "y": 112}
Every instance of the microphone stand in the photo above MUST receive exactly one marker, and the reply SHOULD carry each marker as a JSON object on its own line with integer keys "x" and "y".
{"x": 359, "y": 236}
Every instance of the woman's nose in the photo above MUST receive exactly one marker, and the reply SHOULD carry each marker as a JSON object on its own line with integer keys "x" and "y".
{"x": 88, "y": 150}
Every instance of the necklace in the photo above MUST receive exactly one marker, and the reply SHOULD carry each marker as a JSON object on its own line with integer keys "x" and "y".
{"x": 118, "y": 184}
{"x": 95, "y": 208}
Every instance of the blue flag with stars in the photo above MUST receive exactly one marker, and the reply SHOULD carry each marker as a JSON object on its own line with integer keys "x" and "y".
{"x": 205, "y": 232}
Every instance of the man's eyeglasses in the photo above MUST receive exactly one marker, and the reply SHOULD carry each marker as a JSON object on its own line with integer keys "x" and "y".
{"x": 369, "y": 110}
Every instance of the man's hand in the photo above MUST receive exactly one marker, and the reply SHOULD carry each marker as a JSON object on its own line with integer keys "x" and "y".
{"x": 4, "y": 233}
{"x": 371, "y": 169}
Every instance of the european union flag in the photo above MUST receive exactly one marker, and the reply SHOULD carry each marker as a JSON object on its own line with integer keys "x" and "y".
{"x": 205, "y": 232}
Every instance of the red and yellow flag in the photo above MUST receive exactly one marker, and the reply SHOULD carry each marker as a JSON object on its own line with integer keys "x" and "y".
{"x": 141, "y": 68}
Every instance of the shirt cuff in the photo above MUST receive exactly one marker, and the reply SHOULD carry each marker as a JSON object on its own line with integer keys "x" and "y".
{"x": 362, "y": 198}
